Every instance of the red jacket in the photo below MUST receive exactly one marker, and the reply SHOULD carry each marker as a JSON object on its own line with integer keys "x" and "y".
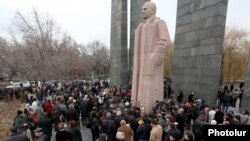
{"x": 48, "y": 107}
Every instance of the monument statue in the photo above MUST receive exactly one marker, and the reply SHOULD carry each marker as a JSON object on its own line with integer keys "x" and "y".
{"x": 150, "y": 47}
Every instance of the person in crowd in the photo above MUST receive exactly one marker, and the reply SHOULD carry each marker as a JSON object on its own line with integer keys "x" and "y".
{"x": 191, "y": 97}
{"x": 108, "y": 127}
{"x": 74, "y": 130}
{"x": 84, "y": 106}
{"x": 220, "y": 96}
{"x": 39, "y": 110}
{"x": 106, "y": 116}
{"x": 227, "y": 100}
{"x": 198, "y": 127}
{"x": 211, "y": 114}
{"x": 45, "y": 122}
{"x": 34, "y": 104}
{"x": 228, "y": 119}
{"x": 62, "y": 134}
{"x": 188, "y": 136}
{"x": 95, "y": 126}
{"x": 180, "y": 119}
{"x": 245, "y": 117}
{"x": 143, "y": 130}
{"x": 48, "y": 106}
{"x": 126, "y": 130}
{"x": 20, "y": 124}
{"x": 40, "y": 136}
{"x": 102, "y": 137}
{"x": 219, "y": 115}
{"x": 156, "y": 132}
{"x": 17, "y": 136}
{"x": 71, "y": 114}
{"x": 180, "y": 96}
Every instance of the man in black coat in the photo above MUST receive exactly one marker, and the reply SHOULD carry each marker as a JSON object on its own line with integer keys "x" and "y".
{"x": 62, "y": 134}
{"x": 17, "y": 136}
{"x": 74, "y": 131}
{"x": 19, "y": 122}
{"x": 40, "y": 136}
{"x": 180, "y": 96}
{"x": 108, "y": 127}
{"x": 143, "y": 130}
{"x": 71, "y": 114}
{"x": 199, "y": 127}
{"x": 219, "y": 115}
{"x": 181, "y": 118}
{"x": 84, "y": 106}
{"x": 45, "y": 122}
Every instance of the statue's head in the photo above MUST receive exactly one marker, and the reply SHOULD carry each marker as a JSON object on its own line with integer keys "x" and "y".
{"x": 148, "y": 9}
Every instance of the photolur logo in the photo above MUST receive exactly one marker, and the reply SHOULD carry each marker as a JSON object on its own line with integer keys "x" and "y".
{"x": 234, "y": 133}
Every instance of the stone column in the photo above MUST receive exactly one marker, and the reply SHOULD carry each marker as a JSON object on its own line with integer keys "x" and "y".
{"x": 118, "y": 44}
{"x": 245, "y": 101}
{"x": 200, "y": 29}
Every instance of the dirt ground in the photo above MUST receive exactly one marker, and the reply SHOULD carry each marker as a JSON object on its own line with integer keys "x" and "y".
{"x": 7, "y": 114}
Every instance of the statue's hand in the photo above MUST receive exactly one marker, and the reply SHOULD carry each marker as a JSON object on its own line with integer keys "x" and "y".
{"x": 156, "y": 59}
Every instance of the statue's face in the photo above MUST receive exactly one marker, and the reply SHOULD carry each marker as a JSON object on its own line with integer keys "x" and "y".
{"x": 146, "y": 11}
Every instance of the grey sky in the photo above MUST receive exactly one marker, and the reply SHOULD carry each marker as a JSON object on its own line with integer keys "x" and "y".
{"x": 87, "y": 20}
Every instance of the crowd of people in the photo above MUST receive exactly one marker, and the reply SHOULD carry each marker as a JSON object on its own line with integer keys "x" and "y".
{"x": 108, "y": 113}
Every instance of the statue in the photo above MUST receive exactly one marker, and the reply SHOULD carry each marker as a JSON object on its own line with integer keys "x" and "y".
{"x": 150, "y": 48}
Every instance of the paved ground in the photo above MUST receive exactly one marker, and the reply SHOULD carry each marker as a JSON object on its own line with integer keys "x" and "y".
{"x": 86, "y": 134}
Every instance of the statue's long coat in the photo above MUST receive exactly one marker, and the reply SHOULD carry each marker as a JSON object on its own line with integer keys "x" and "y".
{"x": 150, "y": 49}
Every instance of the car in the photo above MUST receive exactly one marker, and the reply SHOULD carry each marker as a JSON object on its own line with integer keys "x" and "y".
{"x": 79, "y": 81}
{"x": 51, "y": 82}
{"x": 14, "y": 85}
{"x": 25, "y": 83}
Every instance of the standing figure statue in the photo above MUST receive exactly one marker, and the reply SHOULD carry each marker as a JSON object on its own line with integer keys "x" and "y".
{"x": 150, "y": 48}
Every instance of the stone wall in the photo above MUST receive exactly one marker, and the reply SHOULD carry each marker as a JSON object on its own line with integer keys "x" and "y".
{"x": 200, "y": 29}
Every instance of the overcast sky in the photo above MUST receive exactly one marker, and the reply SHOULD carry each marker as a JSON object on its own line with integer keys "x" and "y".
{"x": 87, "y": 20}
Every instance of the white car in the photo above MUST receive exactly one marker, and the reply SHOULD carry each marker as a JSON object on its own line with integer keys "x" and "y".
{"x": 15, "y": 85}
{"x": 25, "y": 83}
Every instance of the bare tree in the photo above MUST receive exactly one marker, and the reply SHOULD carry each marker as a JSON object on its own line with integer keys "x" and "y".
{"x": 98, "y": 58}
{"x": 235, "y": 53}
{"x": 168, "y": 61}
{"x": 8, "y": 58}
{"x": 39, "y": 51}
